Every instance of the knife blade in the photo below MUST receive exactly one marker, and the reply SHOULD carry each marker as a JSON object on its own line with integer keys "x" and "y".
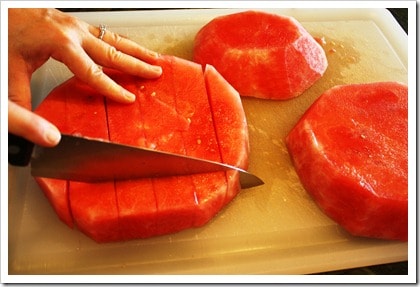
{"x": 92, "y": 160}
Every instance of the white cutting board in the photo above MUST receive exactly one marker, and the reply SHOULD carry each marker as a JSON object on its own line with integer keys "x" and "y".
{"x": 272, "y": 229}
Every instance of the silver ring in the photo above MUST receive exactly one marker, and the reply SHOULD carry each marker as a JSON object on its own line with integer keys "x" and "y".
{"x": 102, "y": 29}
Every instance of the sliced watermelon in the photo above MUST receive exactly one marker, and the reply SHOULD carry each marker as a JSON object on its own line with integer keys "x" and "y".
{"x": 261, "y": 54}
{"x": 56, "y": 191}
{"x": 228, "y": 135}
{"x": 350, "y": 151}
{"x": 64, "y": 109}
{"x": 172, "y": 113}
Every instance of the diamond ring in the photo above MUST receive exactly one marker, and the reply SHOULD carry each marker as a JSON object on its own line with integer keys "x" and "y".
{"x": 102, "y": 29}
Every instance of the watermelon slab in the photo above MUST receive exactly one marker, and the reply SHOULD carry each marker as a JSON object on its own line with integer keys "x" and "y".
{"x": 350, "y": 151}
{"x": 187, "y": 110}
{"x": 261, "y": 54}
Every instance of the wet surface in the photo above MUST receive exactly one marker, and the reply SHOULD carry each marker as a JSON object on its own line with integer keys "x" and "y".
{"x": 341, "y": 52}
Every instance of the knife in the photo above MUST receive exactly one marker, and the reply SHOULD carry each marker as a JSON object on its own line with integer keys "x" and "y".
{"x": 93, "y": 160}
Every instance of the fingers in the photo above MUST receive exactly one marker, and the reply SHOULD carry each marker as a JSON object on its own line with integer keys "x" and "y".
{"x": 125, "y": 45}
{"x": 22, "y": 121}
{"x": 83, "y": 58}
{"x": 123, "y": 54}
{"x": 84, "y": 68}
{"x": 109, "y": 56}
{"x": 34, "y": 128}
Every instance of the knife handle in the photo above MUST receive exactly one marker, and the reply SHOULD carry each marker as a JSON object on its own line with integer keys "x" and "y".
{"x": 20, "y": 150}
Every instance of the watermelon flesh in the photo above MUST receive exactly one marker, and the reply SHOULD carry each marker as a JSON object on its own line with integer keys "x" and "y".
{"x": 260, "y": 54}
{"x": 350, "y": 150}
{"x": 173, "y": 113}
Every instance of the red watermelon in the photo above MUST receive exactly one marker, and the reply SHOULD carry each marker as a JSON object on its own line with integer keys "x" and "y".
{"x": 350, "y": 151}
{"x": 187, "y": 111}
{"x": 261, "y": 54}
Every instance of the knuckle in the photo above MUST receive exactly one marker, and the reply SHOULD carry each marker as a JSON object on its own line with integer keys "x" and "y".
{"x": 65, "y": 28}
{"x": 93, "y": 74}
{"x": 116, "y": 38}
{"x": 72, "y": 22}
{"x": 98, "y": 80}
{"x": 113, "y": 55}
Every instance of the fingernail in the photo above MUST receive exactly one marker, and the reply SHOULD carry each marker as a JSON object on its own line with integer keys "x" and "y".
{"x": 154, "y": 54}
{"x": 129, "y": 96}
{"x": 157, "y": 69}
{"x": 52, "y": 135}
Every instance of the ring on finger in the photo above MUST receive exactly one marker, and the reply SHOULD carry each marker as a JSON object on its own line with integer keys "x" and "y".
{"x": 102, "y": 30}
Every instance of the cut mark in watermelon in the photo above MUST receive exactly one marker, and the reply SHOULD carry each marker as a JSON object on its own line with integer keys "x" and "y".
{"x": 172, "y": 113}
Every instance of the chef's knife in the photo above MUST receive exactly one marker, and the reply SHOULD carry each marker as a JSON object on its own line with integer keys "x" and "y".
{"x": 92, "y": 160}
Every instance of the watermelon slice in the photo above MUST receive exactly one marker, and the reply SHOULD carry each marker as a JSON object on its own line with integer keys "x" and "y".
{"x": 350, "y": 151}
{"x": 174, "y": 113}
{"x": 261, "y": 54}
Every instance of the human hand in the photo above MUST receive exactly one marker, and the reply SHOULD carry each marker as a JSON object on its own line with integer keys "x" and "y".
{"x": 35, "y": 35}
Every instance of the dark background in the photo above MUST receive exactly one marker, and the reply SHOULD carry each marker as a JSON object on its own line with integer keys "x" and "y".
{"x": 400, "y": 14}
{"x": 398, "y": 268}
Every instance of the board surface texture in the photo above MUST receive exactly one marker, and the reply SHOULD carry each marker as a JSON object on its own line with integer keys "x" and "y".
{"x": 272, "y": 229}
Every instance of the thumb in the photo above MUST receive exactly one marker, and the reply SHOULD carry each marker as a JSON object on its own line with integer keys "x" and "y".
{"x": 32, "y": 127}
{"x": 22, "y": 122}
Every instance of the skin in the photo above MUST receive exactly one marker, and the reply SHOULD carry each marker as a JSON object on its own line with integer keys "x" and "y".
{"x": 35, "y": 35}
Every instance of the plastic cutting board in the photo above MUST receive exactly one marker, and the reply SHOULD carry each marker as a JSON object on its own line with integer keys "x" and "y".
{"x": 272, "y": 229}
